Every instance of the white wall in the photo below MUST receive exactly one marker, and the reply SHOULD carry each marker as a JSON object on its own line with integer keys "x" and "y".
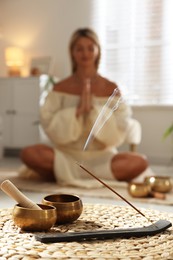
{"x": 43, "y": 28}
{"x": 154, "y": 121}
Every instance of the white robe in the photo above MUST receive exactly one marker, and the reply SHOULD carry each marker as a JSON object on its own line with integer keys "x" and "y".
{"x": 69, "y": 134}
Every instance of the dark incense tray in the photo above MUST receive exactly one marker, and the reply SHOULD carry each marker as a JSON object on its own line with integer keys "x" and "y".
{"x": 151, "y": 230}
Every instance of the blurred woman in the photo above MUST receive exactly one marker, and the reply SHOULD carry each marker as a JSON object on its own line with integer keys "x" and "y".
{"x": 67, "y": 117}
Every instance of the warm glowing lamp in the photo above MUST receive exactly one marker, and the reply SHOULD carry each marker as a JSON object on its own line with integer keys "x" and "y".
{"x": 14, "y": 60}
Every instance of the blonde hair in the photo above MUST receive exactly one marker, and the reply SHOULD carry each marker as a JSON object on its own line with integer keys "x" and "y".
{"x": 88, "y": 33}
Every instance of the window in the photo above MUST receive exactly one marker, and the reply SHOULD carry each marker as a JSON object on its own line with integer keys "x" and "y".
{"x": 137, "y": 47}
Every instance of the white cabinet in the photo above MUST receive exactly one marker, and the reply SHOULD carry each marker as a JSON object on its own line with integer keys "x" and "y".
{"x": 19, "y": 109}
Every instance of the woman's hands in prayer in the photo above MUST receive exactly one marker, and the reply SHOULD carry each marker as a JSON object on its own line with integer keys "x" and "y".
{"x": 85, "y": 104}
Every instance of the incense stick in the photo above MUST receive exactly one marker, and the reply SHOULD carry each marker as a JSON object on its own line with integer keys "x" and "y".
{"x": 111, "y": 189}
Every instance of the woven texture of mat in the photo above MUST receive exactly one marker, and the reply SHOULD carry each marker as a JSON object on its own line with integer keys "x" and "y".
{"x": 49, "y": 188}
{"x": 15, "y": 244}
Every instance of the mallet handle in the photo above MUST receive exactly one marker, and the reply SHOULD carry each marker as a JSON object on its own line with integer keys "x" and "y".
{"x": 11, "y": 190}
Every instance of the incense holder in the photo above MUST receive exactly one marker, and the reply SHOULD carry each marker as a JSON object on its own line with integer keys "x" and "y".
{"x": 29, "y": 219}
{"x": 68, "y": 207}
{"x": 139, "y": 190}
{"x": 159, "y": 183}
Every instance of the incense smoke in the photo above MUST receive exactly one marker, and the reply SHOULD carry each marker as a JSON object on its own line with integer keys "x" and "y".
{"x": 103, "y": 116}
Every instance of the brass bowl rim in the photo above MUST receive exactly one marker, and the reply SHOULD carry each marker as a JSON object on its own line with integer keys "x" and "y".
{"x": 138, "y": 184}
{"x": 76, "y": 197}
{"x": 158, "y": 177}
{"x": 47, "y": 207}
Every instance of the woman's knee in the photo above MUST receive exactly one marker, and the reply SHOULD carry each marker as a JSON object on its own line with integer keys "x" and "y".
{"x": 127, "y": 166}
{"x": 26, "y": 153}
{"x": 142, "y": 163}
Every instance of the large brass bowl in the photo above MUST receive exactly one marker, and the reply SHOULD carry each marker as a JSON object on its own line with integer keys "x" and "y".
{"x": 159, "y": 183}
{"x": 33, "y": 219}
{"x": 69, "y": 207}
{"x": 139, "y": 190}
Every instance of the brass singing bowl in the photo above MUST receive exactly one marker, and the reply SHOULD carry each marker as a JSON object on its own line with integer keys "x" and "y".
{"x": 69, "y": 207}
{"x": 139, "y": 190}
{"x": 34, "y": 219}
{"x": 159, "y": 183}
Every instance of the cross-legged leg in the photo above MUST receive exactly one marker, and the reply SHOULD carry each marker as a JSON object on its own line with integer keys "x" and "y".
{"x": 39, "y": 158}
{"x": 127, "y": 166}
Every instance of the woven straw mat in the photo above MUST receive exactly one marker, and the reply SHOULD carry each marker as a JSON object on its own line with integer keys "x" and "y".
{"x": 16, "y": 244}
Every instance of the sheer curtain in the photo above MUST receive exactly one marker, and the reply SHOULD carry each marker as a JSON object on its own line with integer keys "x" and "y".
{"x": 137, "y": 47}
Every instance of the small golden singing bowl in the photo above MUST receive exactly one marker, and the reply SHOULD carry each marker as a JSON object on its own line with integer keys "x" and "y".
{"x": 139, "y": 190}
{"x": 34, "y": 220}
{"x": 159, "y": 183}
{"x": 69, "y": 207}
